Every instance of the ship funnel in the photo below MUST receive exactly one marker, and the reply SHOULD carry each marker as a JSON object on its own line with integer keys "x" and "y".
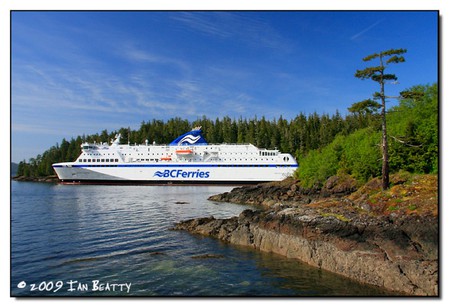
{"x": 190, "y": 138}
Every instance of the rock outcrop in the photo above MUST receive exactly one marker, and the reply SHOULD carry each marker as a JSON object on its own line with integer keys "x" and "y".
{"x": 287, "y": 192}
{"x": 396, "y": 252}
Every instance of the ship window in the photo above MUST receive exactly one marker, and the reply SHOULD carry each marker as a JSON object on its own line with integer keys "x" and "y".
{"x": 89, "y": 160}
{"x": 103, "y": 160}
{"x": 116, "y": 160}
{"x": 107, "y": 160}
{"x": 80, "y": 160}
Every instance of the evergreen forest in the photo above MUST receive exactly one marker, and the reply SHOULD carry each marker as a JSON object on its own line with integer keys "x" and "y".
{"x": 324, "y": 145}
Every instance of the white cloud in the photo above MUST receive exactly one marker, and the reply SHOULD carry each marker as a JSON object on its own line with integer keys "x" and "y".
{"x": 245, "y": 27}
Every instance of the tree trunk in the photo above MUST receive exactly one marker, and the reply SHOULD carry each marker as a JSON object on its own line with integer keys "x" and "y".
{"x": 384, "y": 151}
{"x": 384, "y": 141}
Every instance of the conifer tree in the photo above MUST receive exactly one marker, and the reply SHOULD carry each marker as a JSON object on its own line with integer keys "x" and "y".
{"x": 377, "y": 74}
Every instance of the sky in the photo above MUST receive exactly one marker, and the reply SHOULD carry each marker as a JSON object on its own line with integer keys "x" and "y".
{"x": 80, "y": 72}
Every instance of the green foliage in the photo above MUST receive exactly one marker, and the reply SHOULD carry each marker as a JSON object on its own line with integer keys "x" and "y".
{"x": 413, "y": 146}
{"x": 337, "y": 216}
{"x": 357, "y": 154}
{"x": 366, "y": 106}
{"x": 413, "y": 127}
{"x": 362, "y": 156}
{"x": 316, "y": 167}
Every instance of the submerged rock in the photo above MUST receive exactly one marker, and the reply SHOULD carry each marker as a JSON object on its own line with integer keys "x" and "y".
{"x": 208, "y": 256}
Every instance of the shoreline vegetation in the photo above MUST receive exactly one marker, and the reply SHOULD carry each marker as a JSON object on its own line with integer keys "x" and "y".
{"x": 386, "y": 238}
{"x": 42, "y": 179}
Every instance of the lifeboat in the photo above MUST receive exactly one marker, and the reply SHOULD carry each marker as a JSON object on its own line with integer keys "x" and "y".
{"x": 184, "y": 152}
{"x": 166, "y": 158}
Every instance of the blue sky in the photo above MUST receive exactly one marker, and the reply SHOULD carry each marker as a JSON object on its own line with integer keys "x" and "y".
{"x": 77, "y": 73}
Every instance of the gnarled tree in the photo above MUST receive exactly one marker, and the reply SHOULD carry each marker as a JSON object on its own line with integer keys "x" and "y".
{"x": 377, "y": 74}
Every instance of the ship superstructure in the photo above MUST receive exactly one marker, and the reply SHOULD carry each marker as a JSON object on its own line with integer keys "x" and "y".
{"x": 187, "y": 159}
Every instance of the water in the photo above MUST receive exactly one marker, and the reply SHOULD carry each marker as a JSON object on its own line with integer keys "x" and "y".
{"x": 115, "y": 241}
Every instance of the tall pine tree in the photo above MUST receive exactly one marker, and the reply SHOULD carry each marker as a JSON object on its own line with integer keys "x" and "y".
{"x": 377, "y": 74}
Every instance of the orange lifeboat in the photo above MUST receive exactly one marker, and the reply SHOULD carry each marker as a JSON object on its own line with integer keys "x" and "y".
{"x": 184, "y": 152}
{"x": 166, "y": 158}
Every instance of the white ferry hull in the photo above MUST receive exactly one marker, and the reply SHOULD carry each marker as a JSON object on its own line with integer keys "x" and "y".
{"x": 198, "y": 173}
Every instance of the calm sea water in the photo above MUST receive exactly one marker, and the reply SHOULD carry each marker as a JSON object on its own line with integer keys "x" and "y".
{"x": 115, "y": 241}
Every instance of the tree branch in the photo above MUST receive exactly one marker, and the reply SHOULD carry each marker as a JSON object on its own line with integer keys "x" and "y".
{"x": 403, "y": 142}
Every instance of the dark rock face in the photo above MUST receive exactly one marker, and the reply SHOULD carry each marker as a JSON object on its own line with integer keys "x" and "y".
{"x": 266, "y": 195}
{"x": 397, "y": 254}
{"x": 287, "y": 192}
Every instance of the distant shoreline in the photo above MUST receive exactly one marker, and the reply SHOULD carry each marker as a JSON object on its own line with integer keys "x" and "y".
{"x": 46, "y": 179}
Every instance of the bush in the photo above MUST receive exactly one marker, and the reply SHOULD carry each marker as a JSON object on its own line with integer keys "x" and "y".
{"x": 357, "y": 154}
{"x": 413, "y": 127}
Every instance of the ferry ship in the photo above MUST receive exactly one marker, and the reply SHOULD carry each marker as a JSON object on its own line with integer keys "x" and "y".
{"x": 187, "y": 159}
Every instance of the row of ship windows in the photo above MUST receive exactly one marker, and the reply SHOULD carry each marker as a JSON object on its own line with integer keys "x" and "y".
{"x": 98, "y": 160}
{"x": 262, "y": 153}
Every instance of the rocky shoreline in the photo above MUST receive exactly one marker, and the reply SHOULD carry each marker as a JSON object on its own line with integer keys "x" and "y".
{"x": 336, "y": 231}
{"x": 45, "y": 179}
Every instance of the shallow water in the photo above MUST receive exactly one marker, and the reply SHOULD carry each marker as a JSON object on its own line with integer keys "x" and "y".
{"x": 93, "y": 240}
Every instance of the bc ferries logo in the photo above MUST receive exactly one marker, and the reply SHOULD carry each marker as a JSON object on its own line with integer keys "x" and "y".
{"x": 189, "y": 139}
{"x": 180, "y": 173}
